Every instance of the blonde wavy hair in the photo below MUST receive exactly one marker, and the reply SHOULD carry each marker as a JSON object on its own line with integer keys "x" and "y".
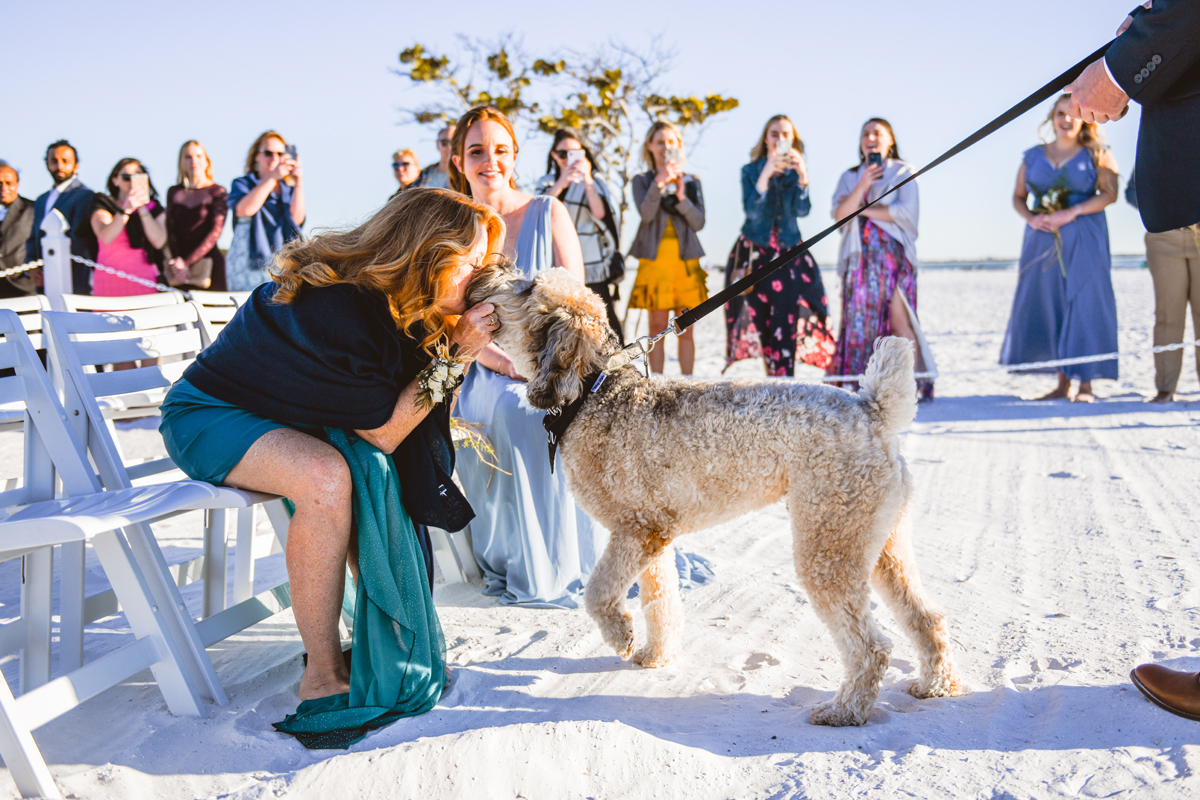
{"x": 659, "y": 125}
{"x": 458, "y": 143}
{"x": 1091, "y": 138}
{"x": 408, "y": 251}
{"x": 181, "y": 175}
{"x": 760, "y": 147}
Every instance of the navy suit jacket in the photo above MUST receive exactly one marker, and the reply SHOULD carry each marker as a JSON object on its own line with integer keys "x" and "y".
{"x": 76, "y": 205}
{"x": 1157, "y": 63}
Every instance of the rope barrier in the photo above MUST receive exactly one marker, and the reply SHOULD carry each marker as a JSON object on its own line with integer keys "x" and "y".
{"x": 8, "y": 273}
{"x": 1026, "y": 367}
{"x": 160, "y": 287}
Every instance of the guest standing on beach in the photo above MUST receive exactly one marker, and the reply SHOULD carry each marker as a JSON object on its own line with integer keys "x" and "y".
{"x": 536, "y": 547}
{"x": 671, "y": 203}
{"x": 785, "y": 319}
{"x": 877, "y": 262}
{"x": 71, "y": 198}
{"x": 406, "y": 169}
{"x": 571, "y": 177}
{"x": 1064, "y": 305}
{"x": 129, "y": 225}
{"x": 16, "y": 223}
{"x": 437, "y": 176}
{"x": 196, "y": 210}
{"x": 268, "y": 208}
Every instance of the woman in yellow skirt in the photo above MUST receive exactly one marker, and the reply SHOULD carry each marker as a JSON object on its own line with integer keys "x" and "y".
{"x": 669, "y": 277}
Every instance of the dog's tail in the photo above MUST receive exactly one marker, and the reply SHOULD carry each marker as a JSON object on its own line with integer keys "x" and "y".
{"x": 888, "y": 388}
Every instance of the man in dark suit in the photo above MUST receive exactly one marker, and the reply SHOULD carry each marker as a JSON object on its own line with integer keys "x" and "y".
{"x": 1155, "y": 61}
{"x": 16, "y": 221}
{"x": 74, "y": 201}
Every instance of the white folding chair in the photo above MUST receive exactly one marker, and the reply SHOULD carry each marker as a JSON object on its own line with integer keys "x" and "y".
{"x": 33, "y": 522}
{"x": 218, "y": 307}
{"x": 29, "y": 311}
{"x": 131, "y": 302}
{"x": 173, "y": 334}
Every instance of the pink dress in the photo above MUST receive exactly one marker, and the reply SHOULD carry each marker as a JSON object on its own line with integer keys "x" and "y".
{"x": 132, "y": 260}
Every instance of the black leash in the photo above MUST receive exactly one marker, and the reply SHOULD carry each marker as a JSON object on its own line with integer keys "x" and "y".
{"x": 557, "y": 421}
{"x": 691, "y": 316}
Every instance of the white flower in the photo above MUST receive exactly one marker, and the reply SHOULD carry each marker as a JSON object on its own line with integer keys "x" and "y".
{"x": 436, "y": 396}
{"x": 457, "y": 368}
{"x": 441, "y": 372}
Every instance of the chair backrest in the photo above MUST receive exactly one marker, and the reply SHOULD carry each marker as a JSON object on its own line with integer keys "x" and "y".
{"x": 174, "y": 334}
{"x": 219, "y": 307}
{"x": 51, "y": 447}
{"x": 29, "y": 309}
{"x": 87, "y": 302}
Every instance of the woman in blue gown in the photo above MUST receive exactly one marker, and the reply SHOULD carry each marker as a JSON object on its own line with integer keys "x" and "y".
{"x": 1064, "y": 305}
{"x": 535, "y": 546}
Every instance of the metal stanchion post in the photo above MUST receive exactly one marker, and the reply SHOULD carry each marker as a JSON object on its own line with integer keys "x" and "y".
{"x": 56, "y": 259}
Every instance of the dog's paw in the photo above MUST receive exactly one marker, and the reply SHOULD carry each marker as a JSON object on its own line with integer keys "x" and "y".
{"x": 837, "y": 714}
{"x": 652, "y": 659}
{"x": 618, "y": 632}
{"x": 939, "y": 685}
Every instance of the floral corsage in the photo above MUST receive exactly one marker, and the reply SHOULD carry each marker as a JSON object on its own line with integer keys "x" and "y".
{"x": 437, "y": 382}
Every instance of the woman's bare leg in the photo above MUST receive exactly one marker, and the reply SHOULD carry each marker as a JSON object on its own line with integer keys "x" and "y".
{"x": 1061, "y": 391}
{"x": 314, "y": 476}
{"x": 658, "y": 321}
{"x": 687, "y": 349}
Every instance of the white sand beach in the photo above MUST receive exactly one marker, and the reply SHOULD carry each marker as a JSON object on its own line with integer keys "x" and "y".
{"x": 1060, "y": 540}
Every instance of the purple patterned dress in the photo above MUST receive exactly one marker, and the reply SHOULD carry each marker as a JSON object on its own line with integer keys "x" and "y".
{"x": 866, "y": 303}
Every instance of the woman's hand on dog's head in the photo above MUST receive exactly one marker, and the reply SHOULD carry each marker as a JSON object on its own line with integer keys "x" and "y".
{"x": 474, "y": 329}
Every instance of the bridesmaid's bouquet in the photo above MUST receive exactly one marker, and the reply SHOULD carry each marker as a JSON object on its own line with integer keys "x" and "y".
{"x": 1055, "y": 198}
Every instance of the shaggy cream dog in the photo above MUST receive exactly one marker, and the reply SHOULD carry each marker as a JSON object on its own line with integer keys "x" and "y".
{"x": 653, "y": 459}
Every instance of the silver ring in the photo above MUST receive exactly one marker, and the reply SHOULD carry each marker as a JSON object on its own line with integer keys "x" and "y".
{"x": 495, "y": 322}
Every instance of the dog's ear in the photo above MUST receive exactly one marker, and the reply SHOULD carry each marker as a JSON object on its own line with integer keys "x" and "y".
{"x": 494, "y": 278}
{"x": 568, "y": 334}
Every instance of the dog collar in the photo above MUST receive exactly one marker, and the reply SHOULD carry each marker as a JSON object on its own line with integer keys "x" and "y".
{"x": 557, "y": 420}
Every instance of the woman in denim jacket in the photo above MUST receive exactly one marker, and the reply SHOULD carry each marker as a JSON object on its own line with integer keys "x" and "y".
{"x": 783, "y": 318}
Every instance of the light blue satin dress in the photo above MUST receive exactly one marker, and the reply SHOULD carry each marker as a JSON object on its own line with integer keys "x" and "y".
{"x": 535, "y": 546}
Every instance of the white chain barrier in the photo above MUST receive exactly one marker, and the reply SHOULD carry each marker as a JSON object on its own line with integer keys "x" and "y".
{"x": 8, "y": 273}
{"x": 160, "y": 287}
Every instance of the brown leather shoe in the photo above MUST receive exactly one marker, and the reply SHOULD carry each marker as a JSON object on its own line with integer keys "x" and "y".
{"x": 1177, "y": 692}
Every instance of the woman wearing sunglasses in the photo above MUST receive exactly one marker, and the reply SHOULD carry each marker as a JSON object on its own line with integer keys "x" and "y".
{"x": 570, "y": 176}
{"x": 268, "y": 204}
{"x": 129, "y": 229}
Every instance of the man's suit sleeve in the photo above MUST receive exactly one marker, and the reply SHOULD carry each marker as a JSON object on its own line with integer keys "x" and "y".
{"x": 1157, "y": 50}
{"x": 33, "y": 245}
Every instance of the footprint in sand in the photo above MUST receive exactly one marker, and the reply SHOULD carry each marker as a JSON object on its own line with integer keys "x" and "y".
{"x": 756, "y": 660}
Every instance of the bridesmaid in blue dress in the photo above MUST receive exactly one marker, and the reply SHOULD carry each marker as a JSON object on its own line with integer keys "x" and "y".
{"x": 1064, "y": 305}
{"x": 535, "y": 546}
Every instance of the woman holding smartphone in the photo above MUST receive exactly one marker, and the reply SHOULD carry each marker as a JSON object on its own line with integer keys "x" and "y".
{"x": 784, "y": 319}
{"x": 878, "y": 258}
{"x": 196, "y": 210}
{"x": 570, "y": 176}
{"x": 268, "y": 208}
{"x": 128, "y": 223}
{"x": 669, "y": 277}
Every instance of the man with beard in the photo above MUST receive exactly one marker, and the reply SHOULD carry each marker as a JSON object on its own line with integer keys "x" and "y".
{"x": 16, "y": 221}
{"x": 74, "y": 201}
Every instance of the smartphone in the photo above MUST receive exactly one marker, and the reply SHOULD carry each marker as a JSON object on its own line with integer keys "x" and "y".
{"x": 783, "y": 150}
{"x": 874, "y": 159}
{"x": 574, "y": 156}
{"x": 291, "y": 151}
{"x": 675, "y": 155}
{"x": 139, "y": 183}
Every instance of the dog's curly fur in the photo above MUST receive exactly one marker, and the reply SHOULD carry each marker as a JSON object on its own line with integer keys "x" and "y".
{"x": 652, "y": 459}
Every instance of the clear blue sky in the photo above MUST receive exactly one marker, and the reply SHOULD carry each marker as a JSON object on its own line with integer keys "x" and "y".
{"x": 139, "y": 78}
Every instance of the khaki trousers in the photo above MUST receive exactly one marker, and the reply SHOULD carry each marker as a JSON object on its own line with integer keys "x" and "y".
{"x": 1174, "y": 261}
